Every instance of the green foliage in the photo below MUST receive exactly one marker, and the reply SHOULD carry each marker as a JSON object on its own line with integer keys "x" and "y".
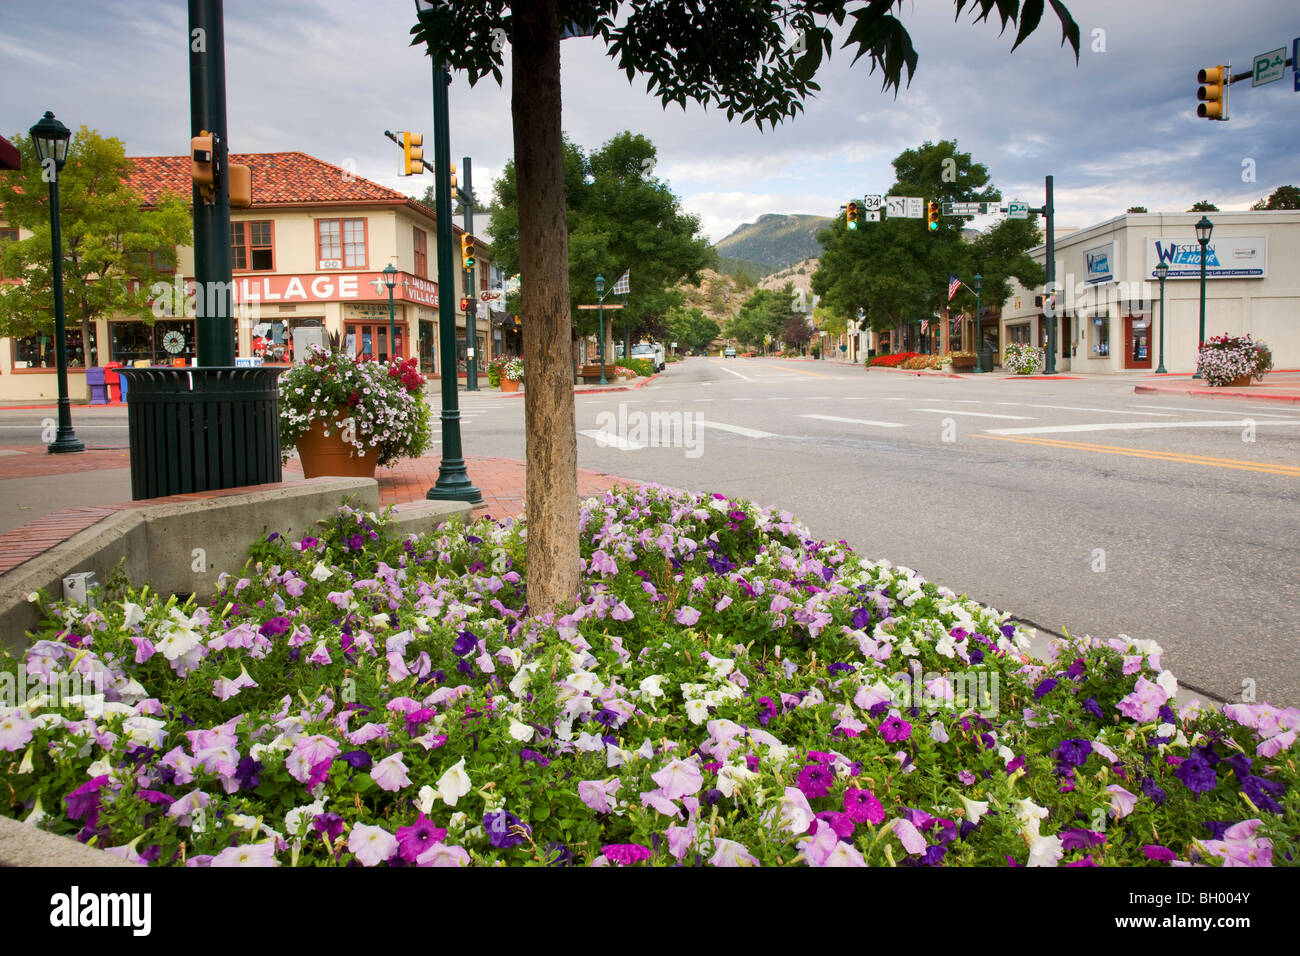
{"x": 1204, "y": 206}
{"x": 620, "y": 215}
{"x": 692, "y": 329}
{"x": 1141, "y": 208}
{"x": 642, "y": 366}
{"x": 113, "y": 250}
{"x": 764, "y": 314}
{"x": 1284, "y": 197}
{"x": 896, "y": 269}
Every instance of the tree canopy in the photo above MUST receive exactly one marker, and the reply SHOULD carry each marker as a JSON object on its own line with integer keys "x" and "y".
{"x": 1284, "y": 197}
{"x": 113, "y": 249}
{"x": 620, "y": 216}
{"x": 691, "y": 328}
{"x": 1204, "y": 206}
{"x": 897, "y": 269}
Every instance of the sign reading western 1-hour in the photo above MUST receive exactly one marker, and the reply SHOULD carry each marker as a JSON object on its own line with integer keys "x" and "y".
{"x": 1269, "y": 66}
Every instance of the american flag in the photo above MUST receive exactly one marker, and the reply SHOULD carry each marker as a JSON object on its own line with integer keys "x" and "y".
{"x": 622, "y": 286}
{"x": 925, "y": 326}
{"x": 953, "y": 285}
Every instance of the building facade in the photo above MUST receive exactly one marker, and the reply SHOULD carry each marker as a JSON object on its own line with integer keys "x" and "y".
{"x": 1108, "y": 297}
{"x": 307, "y": 253}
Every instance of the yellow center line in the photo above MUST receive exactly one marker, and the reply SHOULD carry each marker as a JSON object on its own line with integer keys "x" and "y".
{"x": 1156, "y": 455}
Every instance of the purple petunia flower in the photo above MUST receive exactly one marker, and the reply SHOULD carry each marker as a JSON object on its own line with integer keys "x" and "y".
{"x": 1156, "y": 795}
{"x": 1261, "y": 792}
{"x": 558, "y": 854}
{"x": 1077, "y": 838}
{"x": 895, "y": 728}
{"x": 1044, "y": 688}
{"x": 861, "y": 806}
{"x": 329, "y": 825}
{"x": 275, "y": 627}
{"x": 815, "y": 781}
{"x": 418, "y": 837}
{"x": 1197, "y": 775}
{"x": 503, "y": 829}
{"x": 358, "y": 759}
{"x": 766, "y": 710}
{"x": 1161, "y": 854}
{"x": 465, "y": 642}
{"x": 625, "y": 854}
{"x": 1074, "y": 751}
{"x": 839, "y": 822}
{"x": 85, "y": 798}
{"x": 1094, "y": 708}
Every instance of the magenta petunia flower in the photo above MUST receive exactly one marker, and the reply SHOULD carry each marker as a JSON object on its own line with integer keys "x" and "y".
{"x": 895, "y": 728}
{"x": 861, "y": 806}
{"x": 815, "y": 781}
{"x": 1161, "y": 854}
{"x": 625, "y": 854}
{"x": 414, "y": 840}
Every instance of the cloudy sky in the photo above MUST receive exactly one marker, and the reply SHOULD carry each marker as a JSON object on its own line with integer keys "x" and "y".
{"x": 328, "y": 76}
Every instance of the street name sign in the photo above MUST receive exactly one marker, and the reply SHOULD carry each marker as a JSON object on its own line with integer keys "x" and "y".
{"x": 964, "y": 208}
{"x": 1269, "y": 66}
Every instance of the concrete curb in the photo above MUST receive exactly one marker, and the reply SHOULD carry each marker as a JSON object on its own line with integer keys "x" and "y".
{"x": 24, "y": 845}
{"x": 597, "y": 391}
{"x": 1217, "y": 393}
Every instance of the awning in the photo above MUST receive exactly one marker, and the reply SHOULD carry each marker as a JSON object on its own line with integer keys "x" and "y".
{"x": 9, "y": 155}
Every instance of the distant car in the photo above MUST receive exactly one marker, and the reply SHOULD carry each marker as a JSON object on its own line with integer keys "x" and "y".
{"x": 730, "y": 352}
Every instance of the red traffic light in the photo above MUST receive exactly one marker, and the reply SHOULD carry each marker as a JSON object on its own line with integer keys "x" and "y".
{"x": 464, "y": 303}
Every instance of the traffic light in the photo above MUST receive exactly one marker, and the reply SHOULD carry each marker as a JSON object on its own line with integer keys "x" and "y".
{"x": 202, "y": 166}
{"x": 932, "y": 216}
{"x": 412, "y": 154}
{"x": 464, "y": 303}
{"x": 451, "y": 168}
{"x": 851, "y": 215}
{"x": 1212, "y": 94}
{"x": 467, "y": 255}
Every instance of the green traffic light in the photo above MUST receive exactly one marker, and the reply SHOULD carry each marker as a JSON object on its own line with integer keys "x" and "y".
{"x": 934, "y": 227}
{"x": 852, "y": 225}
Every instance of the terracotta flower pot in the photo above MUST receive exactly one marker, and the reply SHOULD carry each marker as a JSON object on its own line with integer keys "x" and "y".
{"x": 1241, "y": 381}
{"x": 509, "y": 385}
{"x": 333, "y": 456}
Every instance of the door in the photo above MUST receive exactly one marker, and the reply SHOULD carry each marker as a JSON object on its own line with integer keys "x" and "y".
{"x": 371, "y": 340}
{"x": 1137, "y": 342}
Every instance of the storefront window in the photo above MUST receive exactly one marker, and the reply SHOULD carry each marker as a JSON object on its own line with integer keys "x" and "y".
{"x": 1099, "y": 336}
{"x": 428, "y": 348}
{"x": 37, "y": 351}
{"x": 162, "y": 343}
{"x": 1018, "y": 334}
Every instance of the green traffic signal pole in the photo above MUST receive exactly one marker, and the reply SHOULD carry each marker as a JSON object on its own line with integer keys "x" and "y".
{"x": 453, "y": 482}
{"x": 1161, "y": 271}
{"x": 471, "y": 327}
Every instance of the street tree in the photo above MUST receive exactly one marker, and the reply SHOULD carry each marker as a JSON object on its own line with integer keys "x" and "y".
{"x": 1204, "y": 206}
{"x": 620, "y": 216}
{"x": 1284, "y": 197}
{"x": 114, "y": 249}
{"x": 757, "y": 61}
{"x": 1136, "y": 209}
{"x": 691, "y": 328}
{"x": 897, "y": 270}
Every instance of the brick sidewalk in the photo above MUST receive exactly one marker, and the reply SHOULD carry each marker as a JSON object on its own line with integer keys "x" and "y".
{"x": 501, "y": 480}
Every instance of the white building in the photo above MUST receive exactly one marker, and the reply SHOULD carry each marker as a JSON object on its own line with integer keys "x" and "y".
{"x": 1108, "y": 299}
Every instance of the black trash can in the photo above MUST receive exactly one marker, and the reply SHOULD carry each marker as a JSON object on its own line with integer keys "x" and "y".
{"x": 986, "y": 360}
{"x": 201, "y": 429}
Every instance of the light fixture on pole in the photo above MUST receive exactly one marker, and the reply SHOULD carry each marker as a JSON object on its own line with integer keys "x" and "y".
{"x": 387, "y": 280}
{"x": 977, "y": 284}
{"x": 1162, "y": 271}
{"x": 600, "y": 308}
{"x": 51, "y": 138}
{"x": 1203, "y": 230}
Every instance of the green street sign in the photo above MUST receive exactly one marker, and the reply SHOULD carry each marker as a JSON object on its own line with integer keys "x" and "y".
{"x": 1269, "y": 66}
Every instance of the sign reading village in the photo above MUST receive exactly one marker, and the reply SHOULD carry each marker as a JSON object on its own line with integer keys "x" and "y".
{"x": 1230, "y": 257}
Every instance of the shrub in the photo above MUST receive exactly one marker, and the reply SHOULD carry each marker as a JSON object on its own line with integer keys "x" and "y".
{"x": 645, "y": 367}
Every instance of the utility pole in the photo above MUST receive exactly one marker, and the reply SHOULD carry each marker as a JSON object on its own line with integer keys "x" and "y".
{"x": 1048, "y": 212}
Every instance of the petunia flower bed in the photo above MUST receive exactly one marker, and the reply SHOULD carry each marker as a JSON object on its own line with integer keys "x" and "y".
{"x": 728, "y": 692}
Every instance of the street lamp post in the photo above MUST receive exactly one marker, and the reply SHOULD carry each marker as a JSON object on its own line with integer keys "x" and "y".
{"x": 1162, "y": 271}
{"x": 978, "y": 284}
{"x": 600, "y": 308}
{"x": 1203, "y": 230}
{"x": 51, "y": 138}
{"x": 388, "y": 280}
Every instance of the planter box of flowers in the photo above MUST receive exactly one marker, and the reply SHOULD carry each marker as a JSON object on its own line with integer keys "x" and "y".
{"x": 1233, "y": 360}
{"x": 727, "y": 690}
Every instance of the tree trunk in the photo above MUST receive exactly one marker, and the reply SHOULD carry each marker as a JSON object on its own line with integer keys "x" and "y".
{"x": 551, "y": 503}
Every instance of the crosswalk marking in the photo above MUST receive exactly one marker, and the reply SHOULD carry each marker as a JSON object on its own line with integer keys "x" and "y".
{"x": 735, "y": 373}
{"x": 738, "y": 430}
{"x": 1213, "y": 411}
{"x": 951, "y": 411}
{"x": 1127, "y": 427}
{"x": 606, "y": 439}
{"x": 856, "y": 421}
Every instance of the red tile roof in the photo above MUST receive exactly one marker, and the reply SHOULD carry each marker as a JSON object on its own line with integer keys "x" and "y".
{"x": 279, "y": 179}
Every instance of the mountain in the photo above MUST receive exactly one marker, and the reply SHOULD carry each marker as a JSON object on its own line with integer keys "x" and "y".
{"x": 774, "y": 242}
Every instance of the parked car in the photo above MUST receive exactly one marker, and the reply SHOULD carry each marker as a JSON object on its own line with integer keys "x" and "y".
{"x": 730, "y": 351}
{"x": 653, "y": 351}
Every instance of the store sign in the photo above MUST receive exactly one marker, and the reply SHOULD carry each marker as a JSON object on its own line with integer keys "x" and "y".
{"x": 326, "y": 288}
{"x": 1227, "y": 257}
{"x": 1097, "y": 263}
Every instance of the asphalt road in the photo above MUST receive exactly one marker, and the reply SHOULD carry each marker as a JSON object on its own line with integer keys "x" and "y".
{"x": 1076, "y": 505}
